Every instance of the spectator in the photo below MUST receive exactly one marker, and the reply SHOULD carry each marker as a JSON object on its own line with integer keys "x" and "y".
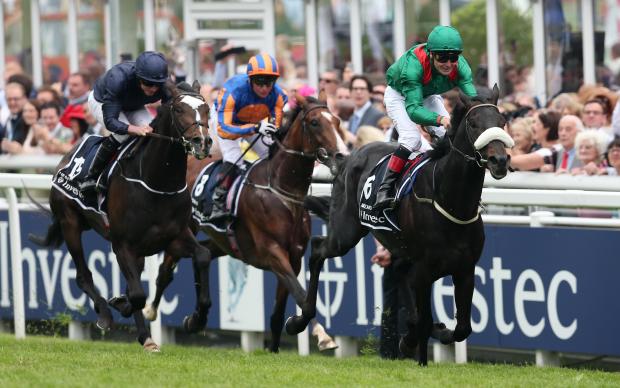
{"x": 15, "y": 128}
{"x": 47, "y": 94}
{"x": 522, "y": 133}
{"x": 568, "y": 128}
{"x": 378, "y": 91}
{"x": 77, "y": 123}
{"x": 347, "y": 73}
{"x": 23, "y": 80}
{"x": 329, "y": 82}
{"x": 367, "y": 134}
{"x": 79, "y": 88}
{"x": 53, "y": 136}
{"x": 613, "y": 158}
{"x": 590, "y": 145}
{"x": 546, "y": 128}
{"x": 94, "y": 127}
{"x": 595, "y": 116}
{"x": 30, "y": 115}
{"x": 364, "y": 113}
{"x": 566, "y": 104}
{"x": 343, "y": 93}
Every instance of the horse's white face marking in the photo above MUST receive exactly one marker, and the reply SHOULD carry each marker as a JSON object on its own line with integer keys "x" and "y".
{"x": 194, "y": 103}
{"x": 340, "y": 143}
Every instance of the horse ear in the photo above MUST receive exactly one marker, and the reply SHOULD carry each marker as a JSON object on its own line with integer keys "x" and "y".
{"x": 465, "y": 99}
{"x": 171, "y": 88}
{"x": 495, "y": 94}
{"x": 323, "y": 96}
{"x": 301, "y": 100}
{"x": 196, "y": 86}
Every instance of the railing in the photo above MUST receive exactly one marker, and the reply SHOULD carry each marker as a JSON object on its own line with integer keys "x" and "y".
{"x": 514, "y": 190}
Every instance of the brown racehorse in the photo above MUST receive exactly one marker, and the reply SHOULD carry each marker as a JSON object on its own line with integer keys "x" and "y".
{"x": 149, "y": 208}
{"x": 272, "y": 226}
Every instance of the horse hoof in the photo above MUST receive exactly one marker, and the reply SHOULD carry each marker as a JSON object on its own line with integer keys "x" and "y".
{"x": 443, "y": 334}
{"x": 104, "y": 323}
{"x": 150, "y": 346}
{"x": 191, "y": 324}
{"x": 327, "y": 344}
{"x": 406, "y": 350}
{"x": 149, "y": 312}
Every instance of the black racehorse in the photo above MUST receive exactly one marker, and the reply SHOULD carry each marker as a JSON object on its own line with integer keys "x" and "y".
{"x": 149, "y": 208}
{"x": 442, "y": 233}
{"x": 272, "y": 226}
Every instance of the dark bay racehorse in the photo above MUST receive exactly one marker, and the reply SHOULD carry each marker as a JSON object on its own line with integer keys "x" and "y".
{"x": 149, "y": 208}
{"x": 272, "y": 226}
{"x": 442, "y": 233}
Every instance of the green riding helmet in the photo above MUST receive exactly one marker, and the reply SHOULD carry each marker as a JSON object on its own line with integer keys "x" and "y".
{"x": 444, "y": 38}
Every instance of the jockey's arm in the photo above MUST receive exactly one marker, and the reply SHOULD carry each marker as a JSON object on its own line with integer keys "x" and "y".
{"x": 225, "y": 126}
{"x": 414, "y": 97}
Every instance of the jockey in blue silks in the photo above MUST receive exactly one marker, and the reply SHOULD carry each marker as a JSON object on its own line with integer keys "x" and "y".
{"x": 117, "y": 102}
{"x": 244, "y": 107}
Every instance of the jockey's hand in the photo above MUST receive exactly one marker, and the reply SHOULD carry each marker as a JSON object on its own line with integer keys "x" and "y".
{"x": 445, "y": 122}
{"x": 382, "y": 257}
{"x": 139, "y": 131}
{"x": 266, "y": 128}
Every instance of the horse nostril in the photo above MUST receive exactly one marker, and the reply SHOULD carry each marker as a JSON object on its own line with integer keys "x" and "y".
{"x": 493, "y": 159}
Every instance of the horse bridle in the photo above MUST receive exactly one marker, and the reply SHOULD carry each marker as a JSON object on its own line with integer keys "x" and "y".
{"x": 320, "y": 153}
{"x": 188, "y": 145}
{"x": 480, "y": 161}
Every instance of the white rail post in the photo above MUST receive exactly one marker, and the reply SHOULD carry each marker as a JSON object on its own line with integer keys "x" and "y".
{"x": 19, "y": 315}
{"x": 303, "y": 338}
{"x": 543, "y": 357}
{"x": 252, "y": 340}
{"x": 443, "y": 353}
{"x": 347, "y": 346}
{"x": 79, "y": 331}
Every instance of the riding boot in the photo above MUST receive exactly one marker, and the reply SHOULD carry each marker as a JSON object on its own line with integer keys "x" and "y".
{"x": 386, "y": 194}
{"x": 105, "y": 152}
{"x": 226, "y": 178}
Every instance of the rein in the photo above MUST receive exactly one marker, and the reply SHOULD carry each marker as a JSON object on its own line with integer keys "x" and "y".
{"x": 480, "y": 161}
{"x": 319, "y": 155}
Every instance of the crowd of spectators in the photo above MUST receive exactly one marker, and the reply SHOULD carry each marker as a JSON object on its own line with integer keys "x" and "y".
{"x": 574, "y": 133}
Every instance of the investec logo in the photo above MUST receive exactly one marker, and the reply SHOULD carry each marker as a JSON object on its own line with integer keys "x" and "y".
{"x": 54, "y": 269}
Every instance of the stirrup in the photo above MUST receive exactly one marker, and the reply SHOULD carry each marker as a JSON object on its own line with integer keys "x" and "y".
{"x": 88, "y": 185}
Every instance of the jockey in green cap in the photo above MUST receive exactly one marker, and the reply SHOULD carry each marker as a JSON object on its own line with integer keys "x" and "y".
{"x": 412, "y": 97}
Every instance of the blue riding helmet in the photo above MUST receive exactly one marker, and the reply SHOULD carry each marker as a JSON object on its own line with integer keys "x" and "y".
{"x": 151, "y": 66}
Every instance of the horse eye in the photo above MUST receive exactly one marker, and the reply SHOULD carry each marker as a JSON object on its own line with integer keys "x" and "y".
{"x": 314, "y": 122}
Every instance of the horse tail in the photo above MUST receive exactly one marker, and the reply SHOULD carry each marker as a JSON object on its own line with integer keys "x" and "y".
{"x": 318, "y": 205}
{"x": 54, "y": 232}
{"x": 53, "y": 238}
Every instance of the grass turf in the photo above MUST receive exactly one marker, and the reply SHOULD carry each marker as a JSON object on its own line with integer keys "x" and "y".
{"x": 45, "y": 361}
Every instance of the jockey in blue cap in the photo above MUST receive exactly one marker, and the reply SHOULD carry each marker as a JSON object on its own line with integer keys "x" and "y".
{"x": 118, "y": 101}
{"x": 244, "y": 107}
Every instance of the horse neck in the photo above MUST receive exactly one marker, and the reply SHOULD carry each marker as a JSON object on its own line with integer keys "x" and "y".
{"x": 163, "y": 163}
{"x": 290, "y": 172}
{"x": 461, "y": 180}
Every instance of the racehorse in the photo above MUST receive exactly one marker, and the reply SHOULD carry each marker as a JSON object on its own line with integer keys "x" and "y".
{"x": 272, "y": 227}
{"x": 149, "y": 207}
{"x": 441, "y": 232}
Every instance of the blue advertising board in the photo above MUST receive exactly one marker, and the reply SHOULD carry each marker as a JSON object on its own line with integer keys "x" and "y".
{"x": 536, "y": 288}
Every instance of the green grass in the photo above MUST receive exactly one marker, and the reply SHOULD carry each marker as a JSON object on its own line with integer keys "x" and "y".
{"x": 45, "y": 361}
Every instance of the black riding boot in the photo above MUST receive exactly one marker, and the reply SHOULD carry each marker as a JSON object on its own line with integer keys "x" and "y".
{"x": 386, "y": 194}
{"x": 226, "y": 177}
{"x": 105, "y": 152}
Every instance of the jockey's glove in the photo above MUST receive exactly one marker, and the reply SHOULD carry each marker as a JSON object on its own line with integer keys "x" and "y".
{"x": 266, "y": 128}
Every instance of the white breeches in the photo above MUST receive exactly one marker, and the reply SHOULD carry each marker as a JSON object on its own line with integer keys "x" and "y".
{"x": 231, "y": 149}
{"x": 138, "y": 117}
{"x": 409, "y": 132}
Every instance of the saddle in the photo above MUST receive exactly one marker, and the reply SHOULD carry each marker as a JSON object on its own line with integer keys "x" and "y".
{"x": 67, "y": 180}
{"x": 387, "y": 219}
{"x": 202, "y": 196}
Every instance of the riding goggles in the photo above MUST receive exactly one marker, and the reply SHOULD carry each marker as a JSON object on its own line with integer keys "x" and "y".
{"x": 263, "y": 81}
{"x": 445, "y": 56}
{"x": 149, "y": 84}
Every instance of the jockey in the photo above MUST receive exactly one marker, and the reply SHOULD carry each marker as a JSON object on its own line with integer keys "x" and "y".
{"x": 243, "y": 107}
{"x": 412, "y": 97}
{"x": 117, "y": 102}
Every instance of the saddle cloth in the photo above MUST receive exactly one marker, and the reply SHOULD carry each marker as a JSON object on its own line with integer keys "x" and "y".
{"x": 202, "y": 195}
{"x": 386, "y": 219}
{"x": 67, "y": 180}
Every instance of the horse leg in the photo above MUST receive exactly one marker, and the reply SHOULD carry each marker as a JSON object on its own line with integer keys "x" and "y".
{"x": 425, "y": 321}
{"x": 324, "y": 340}
{"x": 183, "y": 246}
{"x": 322, "y": 247}
{"x": 277, "y": 316}
{"x": 463, "y": 292}
{"x": 131, "y": 266}
{"x": 409, "y": 342}
{"x": 164, "y": 278}
{"x": 73, "y": 238}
